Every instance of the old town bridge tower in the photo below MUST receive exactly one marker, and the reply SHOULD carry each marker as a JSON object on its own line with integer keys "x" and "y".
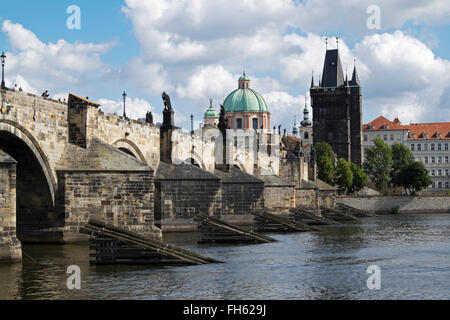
{"x": 337, "y": 109}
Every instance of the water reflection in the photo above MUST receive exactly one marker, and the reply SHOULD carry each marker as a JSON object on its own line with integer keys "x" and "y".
{"x": 329, "y": 264}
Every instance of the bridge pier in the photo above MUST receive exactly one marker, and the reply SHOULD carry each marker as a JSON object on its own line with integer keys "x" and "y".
{"x": 10, "y": 246}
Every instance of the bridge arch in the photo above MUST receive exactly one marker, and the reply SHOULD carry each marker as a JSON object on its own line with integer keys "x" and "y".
{"x": 18, "y": 131}
{"x": 35, "y": 184}
{"x": 130, "y": 148}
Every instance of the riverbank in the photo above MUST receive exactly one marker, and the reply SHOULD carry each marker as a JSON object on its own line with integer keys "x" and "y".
{"x": 399, "y": 204}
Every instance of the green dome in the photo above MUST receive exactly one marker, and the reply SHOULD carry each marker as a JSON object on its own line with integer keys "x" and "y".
{"x": 242, "y": 100}
{"x": 211, "y": 113}
{"x": 244, "y": 77}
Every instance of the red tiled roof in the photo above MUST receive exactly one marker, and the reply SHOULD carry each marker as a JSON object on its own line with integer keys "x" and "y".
{"x": 380, "y": 122}
{"x": 293, "y": 138}
{"x": 416, "y": 129}
{"x": 430, "y": 129}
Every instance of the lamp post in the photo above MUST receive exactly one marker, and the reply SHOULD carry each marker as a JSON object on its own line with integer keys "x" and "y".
{"x": 3, "y": 57}
{"x": 124, "y": 96}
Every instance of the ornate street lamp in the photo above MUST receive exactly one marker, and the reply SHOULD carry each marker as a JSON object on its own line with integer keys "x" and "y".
{"x": 3, "y": 57}
{"x": 124, "y": 96}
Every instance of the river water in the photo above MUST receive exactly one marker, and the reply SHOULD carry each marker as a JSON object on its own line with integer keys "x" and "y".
{"x": 412, "y": 252}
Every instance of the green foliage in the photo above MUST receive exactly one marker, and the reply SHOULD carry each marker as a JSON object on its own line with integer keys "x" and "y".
{"x": 414, "y": 177}
{"x": 344, "y": 175}
{"x": 378, "y": 163}
{"x": 359, "y": 178}
{"x": 325, "y": 162}
{"x": 396, "y": 209}
{"x": 402, "y": 157}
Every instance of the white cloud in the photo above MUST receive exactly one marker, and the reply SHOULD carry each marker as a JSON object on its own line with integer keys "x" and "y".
{"x": 405, "y": 77}
{"x": 136, "y": 108}
{"x": 50, "y": 65}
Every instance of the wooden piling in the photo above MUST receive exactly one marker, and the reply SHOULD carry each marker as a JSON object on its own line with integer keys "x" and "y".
{"x": 113, "y": 245}
{"x": 214, "y": 230}
{"x": 269, "y": 222}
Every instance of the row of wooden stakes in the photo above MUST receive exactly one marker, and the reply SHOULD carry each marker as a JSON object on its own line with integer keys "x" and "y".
{"x": 114, "y": 245}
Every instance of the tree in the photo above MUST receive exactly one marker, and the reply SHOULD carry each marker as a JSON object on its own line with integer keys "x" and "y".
{"x": 359, "y": 178}
{"x": 414, "y": 177}
{"x": 344, "y": 175}
{"x": 378, "y": 163}
{"x": 402, "y": 157}
{"x": 325, "y": 162}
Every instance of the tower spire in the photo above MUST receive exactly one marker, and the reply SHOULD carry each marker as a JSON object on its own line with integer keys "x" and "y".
{"x": 312, "y": 79}
{"x": 355, "y": 78}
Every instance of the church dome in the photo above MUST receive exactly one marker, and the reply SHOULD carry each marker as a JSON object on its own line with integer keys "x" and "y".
{"x": 245, "y": 99}
{"x": 211, "y": 113}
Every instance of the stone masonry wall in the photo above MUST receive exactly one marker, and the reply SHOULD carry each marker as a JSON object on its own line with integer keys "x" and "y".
{"x": 306, "y": 197}
{"x": 10, "y": 247}
{"x": 39, "y": 122}
{"x": 181, "y": 200}
{"x": 279, "y": 199}
{"x": 419, "y": 204}
{"x": 122, "y": 198}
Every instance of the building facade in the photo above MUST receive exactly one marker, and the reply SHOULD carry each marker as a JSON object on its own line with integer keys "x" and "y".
{"x": 429, "y": 143}
{"x": 337, "y": 110}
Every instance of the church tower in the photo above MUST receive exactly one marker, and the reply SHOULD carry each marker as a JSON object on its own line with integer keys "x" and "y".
{"x": 337, "y": 110}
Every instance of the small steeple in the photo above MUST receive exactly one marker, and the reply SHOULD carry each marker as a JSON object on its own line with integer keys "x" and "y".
{"x": 306, "y": 122}
{"x": 295, "y": 129}
{"x": 355, "y": 77}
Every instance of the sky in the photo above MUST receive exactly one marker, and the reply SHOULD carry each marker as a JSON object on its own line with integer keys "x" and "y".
{"x": 195, "y": 50}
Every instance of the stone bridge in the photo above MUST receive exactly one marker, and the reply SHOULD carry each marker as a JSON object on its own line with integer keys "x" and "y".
{"x": 74, "y": 161}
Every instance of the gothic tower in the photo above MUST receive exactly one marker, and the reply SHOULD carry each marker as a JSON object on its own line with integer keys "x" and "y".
{"x": 337, "y": 110}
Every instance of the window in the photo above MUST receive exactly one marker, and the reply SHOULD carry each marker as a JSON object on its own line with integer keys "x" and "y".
{"x": 385, "y": 137}
{"x": 433, "y": 160}
{"x": 439, "y": 172}
{"x": 447, "y": 185}
{"x": 439, "y": 147}
{"x": 412, "y": 146}
{"x": 433, "y": 173}
{"x": 432, "y": 147}
{"x": 365, "y": 137}
{"x": 433, "y": 185}
{"x": 439, "y": 159}
{"x": 440, "y": 185}
{"x": 239, "y": 123}
{"x": 426, "y": 159}
{"x": 446, "y": 172}
{"x": 419, "y": 147}
{"x": 306, "y": 135}
{"x": 255, "y": 123}
{"x": 425, "y": 146}
{"x": 446, "y": 159}
{"x": 392, "y": 137}
{"x": 446, "y": 147}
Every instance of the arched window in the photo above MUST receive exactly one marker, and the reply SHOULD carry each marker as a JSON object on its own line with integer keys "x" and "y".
{"x": 306, "y": 135}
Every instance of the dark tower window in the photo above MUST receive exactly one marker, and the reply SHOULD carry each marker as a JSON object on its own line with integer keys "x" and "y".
{"x": 306, "y": 135}
{"x": 239, "y": 123}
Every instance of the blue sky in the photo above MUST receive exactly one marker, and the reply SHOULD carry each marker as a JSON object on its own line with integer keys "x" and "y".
{"x": 195, "y": 50}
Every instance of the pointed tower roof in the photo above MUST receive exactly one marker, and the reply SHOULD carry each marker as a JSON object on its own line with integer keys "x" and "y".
{"x": 355, "y": 78}
{"x": 306, "y": 122}
{"x": 312, "y": 80}
{"x": 332, "y": 70}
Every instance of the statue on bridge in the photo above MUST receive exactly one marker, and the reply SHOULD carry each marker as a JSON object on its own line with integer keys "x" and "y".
{"x": 149, "y": 117}
{"x": 167, "y": 104}
{"x": 223, "y": 122}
